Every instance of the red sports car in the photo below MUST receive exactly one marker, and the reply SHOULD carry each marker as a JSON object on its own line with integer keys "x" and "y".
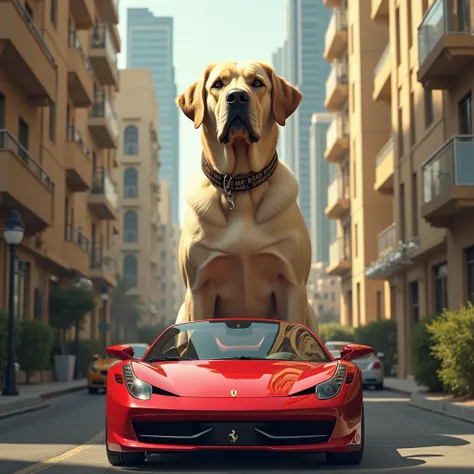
{"x": 235, "y": 384}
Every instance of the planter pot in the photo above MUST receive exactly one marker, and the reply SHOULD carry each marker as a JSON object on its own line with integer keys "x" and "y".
{"x": 64, "y": 367}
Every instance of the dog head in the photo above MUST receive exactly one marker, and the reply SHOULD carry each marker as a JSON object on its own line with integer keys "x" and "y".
{"x": 239, "y": 101}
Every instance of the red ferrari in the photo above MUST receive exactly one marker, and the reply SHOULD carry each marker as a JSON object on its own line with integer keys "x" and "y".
{"x": 235, "y": 384}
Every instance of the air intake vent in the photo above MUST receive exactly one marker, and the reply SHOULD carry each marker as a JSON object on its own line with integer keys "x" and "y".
{"x": 118, "y": 378}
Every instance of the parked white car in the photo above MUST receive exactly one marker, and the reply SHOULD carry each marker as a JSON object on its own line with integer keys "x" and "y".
{"x": 371, "y": 366}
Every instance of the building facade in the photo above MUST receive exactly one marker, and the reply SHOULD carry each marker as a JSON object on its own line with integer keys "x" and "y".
{"x": 137, "y": 247}
{"x": 58, "y": 141}
{"x": 323, "y": 293}
{"x": 150, "y": 46}
{"x": 360, "y": 129}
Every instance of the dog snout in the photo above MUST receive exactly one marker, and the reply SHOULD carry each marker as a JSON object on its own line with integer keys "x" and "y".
{"x": 237, "y": 97}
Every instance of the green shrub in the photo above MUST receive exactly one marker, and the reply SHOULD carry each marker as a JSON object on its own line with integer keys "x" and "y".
{"x": 148, "y": 334}
{"x": 87, "y": 348}
{"x": 453, "y": 336}
{"x": 425, "y": 365}
{"x": 4, "y": 343}
{"x": 36, "y": 340}
{"x": 335, "y": 332}
{"x": 382, "y": 336}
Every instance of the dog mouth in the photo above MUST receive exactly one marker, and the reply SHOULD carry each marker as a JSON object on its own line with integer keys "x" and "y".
{"x": 236, "y": 128}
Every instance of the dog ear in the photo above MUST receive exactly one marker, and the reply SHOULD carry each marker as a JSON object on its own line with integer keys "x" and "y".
{"x": 285, "y": 97}
{"x": 193, "y": 101}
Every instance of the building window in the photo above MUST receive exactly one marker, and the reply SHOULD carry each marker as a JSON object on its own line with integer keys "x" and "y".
{"x": 130, "y": 183}
{"x": 465, "y": 115}
{"x": 21, "y": 288}
{"x": 470, "y": 273}
{"x": 414, "y": 296}
{"x": 378, "y": 295}
{"x": 400, "y": 134}
{"x": 429, "y": 112}
{"x": 414, "y": 204}
{"x": 356, "y": 240}
{"x": 397, "y": 33}
{"x": 130, "y": 269}
{"x": 23, "y": 137}
{"x": 163, "y": 255}
{"x": 402, "y": 211}
{"x": 53, "y": 11}
{"x": 131, "y": 140}
{"x": 163, "y": 287}
{"x": 441, "y": 287}
{"x": 359, "y": 305}
{"x": 52, "y": 121}
{"x": 2, "y": 111}
{"x": 412, "y": 119}
{"x": 130, "y": 226}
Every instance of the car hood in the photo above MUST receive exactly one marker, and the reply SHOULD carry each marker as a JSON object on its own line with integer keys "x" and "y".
{"x": 219, "y": 379}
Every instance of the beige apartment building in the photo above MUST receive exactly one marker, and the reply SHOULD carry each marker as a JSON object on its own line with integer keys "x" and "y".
{"x": 58, "y": 136}
{"x": 323, "y": 291}
{"x": 137, "y": 246}
{"x": 423, "y": 78}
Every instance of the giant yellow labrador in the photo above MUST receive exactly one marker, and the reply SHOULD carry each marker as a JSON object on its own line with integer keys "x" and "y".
{"x": 245, "y": 249}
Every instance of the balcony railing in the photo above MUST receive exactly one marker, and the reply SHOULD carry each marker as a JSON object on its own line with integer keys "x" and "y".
{"x": 102, "y": 108}
{"x": 384, "y": 152}
{"x": 74, "y": 235}
{"x": 338, "y": 189}
{"x": 451, "y": 165}
{"x": 98, "y": 258}
{"x": 443, "y": 18}
{"x": 339, "y": 128}
{"x": 35, "y": 32}
{"x": 75, "y": 42}
{"x": 338, "y": 22}
{"x": 382, "y": 60}
{"x": 102, "y": 184}
{"x": 74, "y": 136}
{"x": 339, "y": 251}
{"x": 101, "y": 38}
{"x": 9, "y": 142}
{"x": 387, "y": 239}
{"x": 338, "y": 75}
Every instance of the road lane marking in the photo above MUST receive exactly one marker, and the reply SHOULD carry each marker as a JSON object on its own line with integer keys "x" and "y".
{"x": 41, "y": 466}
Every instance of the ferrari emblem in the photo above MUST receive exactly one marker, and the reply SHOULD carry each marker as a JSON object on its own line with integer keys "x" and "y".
{"x": 233, "y": 393}
{"x": 233, "y": 436}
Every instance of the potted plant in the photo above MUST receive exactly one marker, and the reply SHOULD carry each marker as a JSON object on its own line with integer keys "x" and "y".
{"x": 67, "y": 309}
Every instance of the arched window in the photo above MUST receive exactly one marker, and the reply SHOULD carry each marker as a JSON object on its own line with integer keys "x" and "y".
{"x": 131, "y": 141}
{"x": 130, "y": 269}
{"x": 130, "y": 183}
{"x": 130, "y": 226}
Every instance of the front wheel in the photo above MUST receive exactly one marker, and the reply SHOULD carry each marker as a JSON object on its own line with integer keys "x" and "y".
{"x": 125, "y": 459}
{"x": 353, "y": 457}
{"x": 93, "y": 391}
{"x": 379, "y": 386}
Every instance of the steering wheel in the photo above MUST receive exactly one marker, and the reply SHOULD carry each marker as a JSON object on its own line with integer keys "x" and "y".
{"x": 282, "y": 356}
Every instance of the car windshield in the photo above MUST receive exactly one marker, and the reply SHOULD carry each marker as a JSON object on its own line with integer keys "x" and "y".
{"x": 238, "y": 339}
{"x": 139, "y": 350}
{"x": 336, "y": 346}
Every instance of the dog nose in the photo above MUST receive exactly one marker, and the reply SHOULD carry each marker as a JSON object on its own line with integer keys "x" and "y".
{"x": 237, "y": 96}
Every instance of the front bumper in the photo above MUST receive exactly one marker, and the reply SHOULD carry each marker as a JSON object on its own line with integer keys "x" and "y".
{"x": 174, "y": 424}
{"x": 97, "y": 379}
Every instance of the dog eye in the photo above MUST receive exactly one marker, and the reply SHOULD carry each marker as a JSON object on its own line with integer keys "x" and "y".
{"x": 217, "y": 85}
{"x": 257, "y": 83}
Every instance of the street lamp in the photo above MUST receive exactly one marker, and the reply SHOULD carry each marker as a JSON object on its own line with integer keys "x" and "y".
{"x": 104, "y": 295}
{"x": 13, "y": 231}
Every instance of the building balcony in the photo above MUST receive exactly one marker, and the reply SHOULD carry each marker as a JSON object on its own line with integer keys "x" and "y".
{"x": 387, "y": 240}
{"x": 24, "y": 185}
{"x": 24, "y": 56}
{"x": 339, "y": 257}
{"x": 337, "y": 139}
{"x": 103, "y": 55}
{"x": 336, "y": 36}
{"x": 448, "y": 182}
{"x": 103, "y": 198}
{"x": 83, "y": 13}
{"x": 379, "y": 11}
{"x": 80, "y": 74}
{"x": 78, "y": 162}
{"x": 332, "y": 3}
{"x": 384, "y": 169}
{"x": 445, "y": 43}
{"x": 102, "y": 267}
{"x": 109, "y": 10}
{"x": 77, "y": 250}
{"x": 338, "y": 198}
{"x": 383, "y": 77}
{"x": 337, "y": 89}
{"x": 103, "y": 122}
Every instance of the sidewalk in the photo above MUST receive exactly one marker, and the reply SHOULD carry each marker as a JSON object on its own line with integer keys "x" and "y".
{"x": 460, "y": 408}
{"x": 35, "y": 397}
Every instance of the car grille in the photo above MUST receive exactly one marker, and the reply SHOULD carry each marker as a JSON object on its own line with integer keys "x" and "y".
{"x": 103, "y": 372}
{"x": 233, "y": 433}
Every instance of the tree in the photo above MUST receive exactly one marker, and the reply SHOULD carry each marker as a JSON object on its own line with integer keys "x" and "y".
{"x": 69, "y": 307}
{"x": 126, "y": 308}
{"x": 328, "y": 316}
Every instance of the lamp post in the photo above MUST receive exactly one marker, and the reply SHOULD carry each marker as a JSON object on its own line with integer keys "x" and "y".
{"x": 13, "y": 231}
{"x": 104, "y": 295}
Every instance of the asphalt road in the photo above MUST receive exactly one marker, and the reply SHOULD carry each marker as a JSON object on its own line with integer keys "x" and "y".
{"x": 68, "y": 438}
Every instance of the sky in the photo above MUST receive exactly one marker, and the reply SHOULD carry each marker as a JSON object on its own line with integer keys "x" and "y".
{"x": 205, "y": 32}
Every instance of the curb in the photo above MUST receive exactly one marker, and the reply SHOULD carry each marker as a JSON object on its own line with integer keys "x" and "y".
{"x": 400, "y": 391}
{"x": 21, "y": 411}
{"x": 59, "y": 393}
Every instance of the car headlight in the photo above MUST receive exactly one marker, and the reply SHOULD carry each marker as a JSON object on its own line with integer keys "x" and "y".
{"x": 136, "y": 388}
{"x": 332, "y": 387}
{"x": 94, "y": 368}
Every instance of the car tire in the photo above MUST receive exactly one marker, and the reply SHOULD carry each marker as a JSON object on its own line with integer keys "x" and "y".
{"x": 124, "y": 459}
{"x": 352, "y": 458}
{"x": 379, "y": 386}
{"x": 93, "y": 391}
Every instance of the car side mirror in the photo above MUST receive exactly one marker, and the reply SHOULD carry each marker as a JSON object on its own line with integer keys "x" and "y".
{"x": 121, "y": 351}
{"x": 355, "y": 351}
{"x": 96, "y": 357}
{"x": 380, "y": 355}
